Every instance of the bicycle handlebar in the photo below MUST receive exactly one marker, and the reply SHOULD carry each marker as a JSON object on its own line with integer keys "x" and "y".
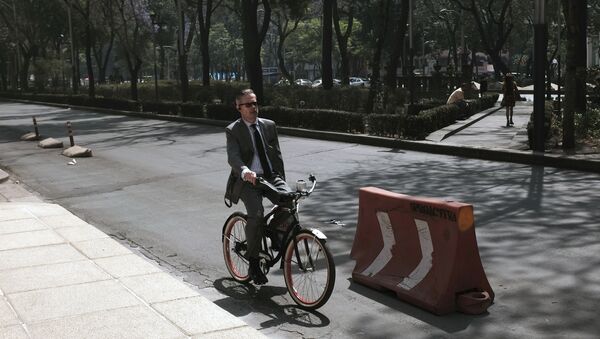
{"x": 295, "y": 194}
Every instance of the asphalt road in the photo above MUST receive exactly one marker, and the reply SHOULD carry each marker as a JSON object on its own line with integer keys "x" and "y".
{"x": 158, "y": 186}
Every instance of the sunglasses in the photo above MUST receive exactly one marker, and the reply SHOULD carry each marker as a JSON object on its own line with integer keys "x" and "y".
{"x": 249, "y": 104}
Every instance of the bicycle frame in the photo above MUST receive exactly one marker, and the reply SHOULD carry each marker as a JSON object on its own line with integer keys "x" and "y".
{"x": 294, "y": 229}
{"x": 307, "y": 264}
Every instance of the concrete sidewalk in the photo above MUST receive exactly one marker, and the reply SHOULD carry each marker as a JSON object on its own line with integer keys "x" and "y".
{"x": 60, "y": 277}
{"x": 490, "y": 130}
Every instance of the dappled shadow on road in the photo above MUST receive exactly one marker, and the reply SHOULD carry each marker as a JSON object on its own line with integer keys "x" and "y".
{"x": 451, "y": 323}
{"x": 537, "y": 229}
{"x": 103, "y": 130}
{"x": 243, "y": 299}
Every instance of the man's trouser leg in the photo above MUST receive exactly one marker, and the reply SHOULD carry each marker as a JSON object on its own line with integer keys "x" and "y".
{"x": 252, "y": 198}
{"x": 281, "y": 186}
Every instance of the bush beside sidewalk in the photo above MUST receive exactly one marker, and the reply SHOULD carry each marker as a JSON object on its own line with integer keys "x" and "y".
{"x": 60, "y": 277}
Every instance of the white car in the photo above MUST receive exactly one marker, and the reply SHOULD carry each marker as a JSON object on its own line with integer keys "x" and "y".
{"x": 361, "y": 82}
{"x": 303, "y": 82}
{"x": 319, "y": 83}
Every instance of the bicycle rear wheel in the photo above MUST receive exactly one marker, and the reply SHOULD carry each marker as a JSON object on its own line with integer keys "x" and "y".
{"x": 309, "y": 271}
{"x": 234, "y": 247}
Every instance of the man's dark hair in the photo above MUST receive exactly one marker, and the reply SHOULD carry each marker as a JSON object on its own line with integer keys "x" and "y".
{"x": 242, "y": 93}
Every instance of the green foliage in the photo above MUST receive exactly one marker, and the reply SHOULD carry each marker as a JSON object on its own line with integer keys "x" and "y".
{"x": 193, "y": 109}
{"x": 418, "y": 126}
{"x": 225, "y": 48}
{"x": 549, "y": 131}
{"x": 318, "y": 119}
{"x": 350, "y": 99}
{"x": 162, "y": 107}
{"x": 588, "y": 125}
{"x": 221, "y": 112}
{"x": 168, "y": 90}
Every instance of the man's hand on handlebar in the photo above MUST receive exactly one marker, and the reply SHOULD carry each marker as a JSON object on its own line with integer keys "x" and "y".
{"x": 250, "y": 177}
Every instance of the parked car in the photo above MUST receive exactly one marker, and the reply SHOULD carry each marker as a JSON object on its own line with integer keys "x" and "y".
{"x": 282, "y": 82}
{"x": 361, "y": 82}
{"x": 319, "y": 83}
{"x": 303, "y": 82}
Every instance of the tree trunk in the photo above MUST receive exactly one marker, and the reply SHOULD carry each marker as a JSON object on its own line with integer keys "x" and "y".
{"x": 161, "y": 57}
{"x": 575, "y": 13}
{"x": 342, "y": 39}
{"x": 252, "y": 41}
{"x": 205, "y": 58}
{"x": 88, "y": 60}
{"x": 327, "y": 43}
{"x": 399, "y": 35}
{"x": 183, "y": 77}
{"x": 375, "y": 81}
{"x": 24, "y": 71}
{"x": 101, "y": 59}
{"x": 134, "y": 69}
{"x": 204, "y": 23}
{"x": 134, "y": 84}
{"x": 495, "y": 32}
{"x": 182, "y": 56}
{"x": 499, "y": 65}
{"x": 281, "y": 59}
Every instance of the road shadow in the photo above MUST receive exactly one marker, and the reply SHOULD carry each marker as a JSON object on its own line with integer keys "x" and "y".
{"x": 243, "y": 299}
{"x": 450, "y": 323}
{"x": 102, "y": 130}
{"x": 536, "y": 231}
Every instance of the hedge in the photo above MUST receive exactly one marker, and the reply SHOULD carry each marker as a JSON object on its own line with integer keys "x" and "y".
{"x": 548, "y": 132}
{"x": 161, "y": 107}
{"x": 410, "y": 126}
{"x": 418, "y": 126}
{"x": 317, "y": 119}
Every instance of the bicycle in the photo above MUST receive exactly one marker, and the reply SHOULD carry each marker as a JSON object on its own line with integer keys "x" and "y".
{"x": 307, "y": 263}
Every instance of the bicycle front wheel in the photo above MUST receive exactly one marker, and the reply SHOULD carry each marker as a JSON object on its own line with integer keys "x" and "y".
{"x": 234, "y": 247}
{"x": 309, "y": 271}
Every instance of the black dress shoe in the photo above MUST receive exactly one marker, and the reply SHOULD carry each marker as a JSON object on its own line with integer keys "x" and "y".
{"x": 256, "y": 274}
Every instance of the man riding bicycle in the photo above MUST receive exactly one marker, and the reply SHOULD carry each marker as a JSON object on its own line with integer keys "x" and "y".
{"x": 253, "y": 151}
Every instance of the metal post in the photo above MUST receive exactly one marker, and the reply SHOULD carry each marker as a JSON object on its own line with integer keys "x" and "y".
{"x": 18, "y": 63}
{"x": 411, "y": 52}
{"x": 75, "y": 77}
{"x": 35, "y": 127}
{"x": 70, "y": 131}
{"x": 155, "y": 76}
{"x": 154, "y": 57}
{"x": 540, "y": 51}
{"x": 558, "y": 61}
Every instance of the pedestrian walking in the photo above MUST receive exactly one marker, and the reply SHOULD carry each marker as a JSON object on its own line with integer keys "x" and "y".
{"x": 509, "y": 92}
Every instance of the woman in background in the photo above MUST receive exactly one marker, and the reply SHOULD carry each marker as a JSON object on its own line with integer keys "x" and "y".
{"x": 509, "y": 91}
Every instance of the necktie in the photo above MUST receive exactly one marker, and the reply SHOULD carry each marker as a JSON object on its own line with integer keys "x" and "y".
{"x": 262, "y": 155}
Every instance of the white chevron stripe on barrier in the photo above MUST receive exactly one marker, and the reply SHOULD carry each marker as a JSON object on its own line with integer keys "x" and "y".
{"x": 424, "y": 266}
{"x": 385, "y": 255}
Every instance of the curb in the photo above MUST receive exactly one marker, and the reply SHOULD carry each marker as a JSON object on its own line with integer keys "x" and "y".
{"x": 3, "y": 176}
{"x": 515, "y": 156}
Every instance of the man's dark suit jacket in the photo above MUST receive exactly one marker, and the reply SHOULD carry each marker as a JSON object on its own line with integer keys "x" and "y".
{"x": 240, "y": 152}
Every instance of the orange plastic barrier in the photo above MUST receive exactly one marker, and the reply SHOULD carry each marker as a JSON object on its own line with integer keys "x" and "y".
{"x": 423, "y": 249}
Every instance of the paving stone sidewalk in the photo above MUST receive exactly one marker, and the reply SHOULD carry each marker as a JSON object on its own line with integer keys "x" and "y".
{"x": 60, "y": 277}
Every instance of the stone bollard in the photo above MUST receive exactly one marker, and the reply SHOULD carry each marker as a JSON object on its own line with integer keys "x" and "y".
{"x": 32, "y": 136}
{"x": 75, "y": 151}
{"x": 70, "y": 132}
{"x": 37, "y": 132}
